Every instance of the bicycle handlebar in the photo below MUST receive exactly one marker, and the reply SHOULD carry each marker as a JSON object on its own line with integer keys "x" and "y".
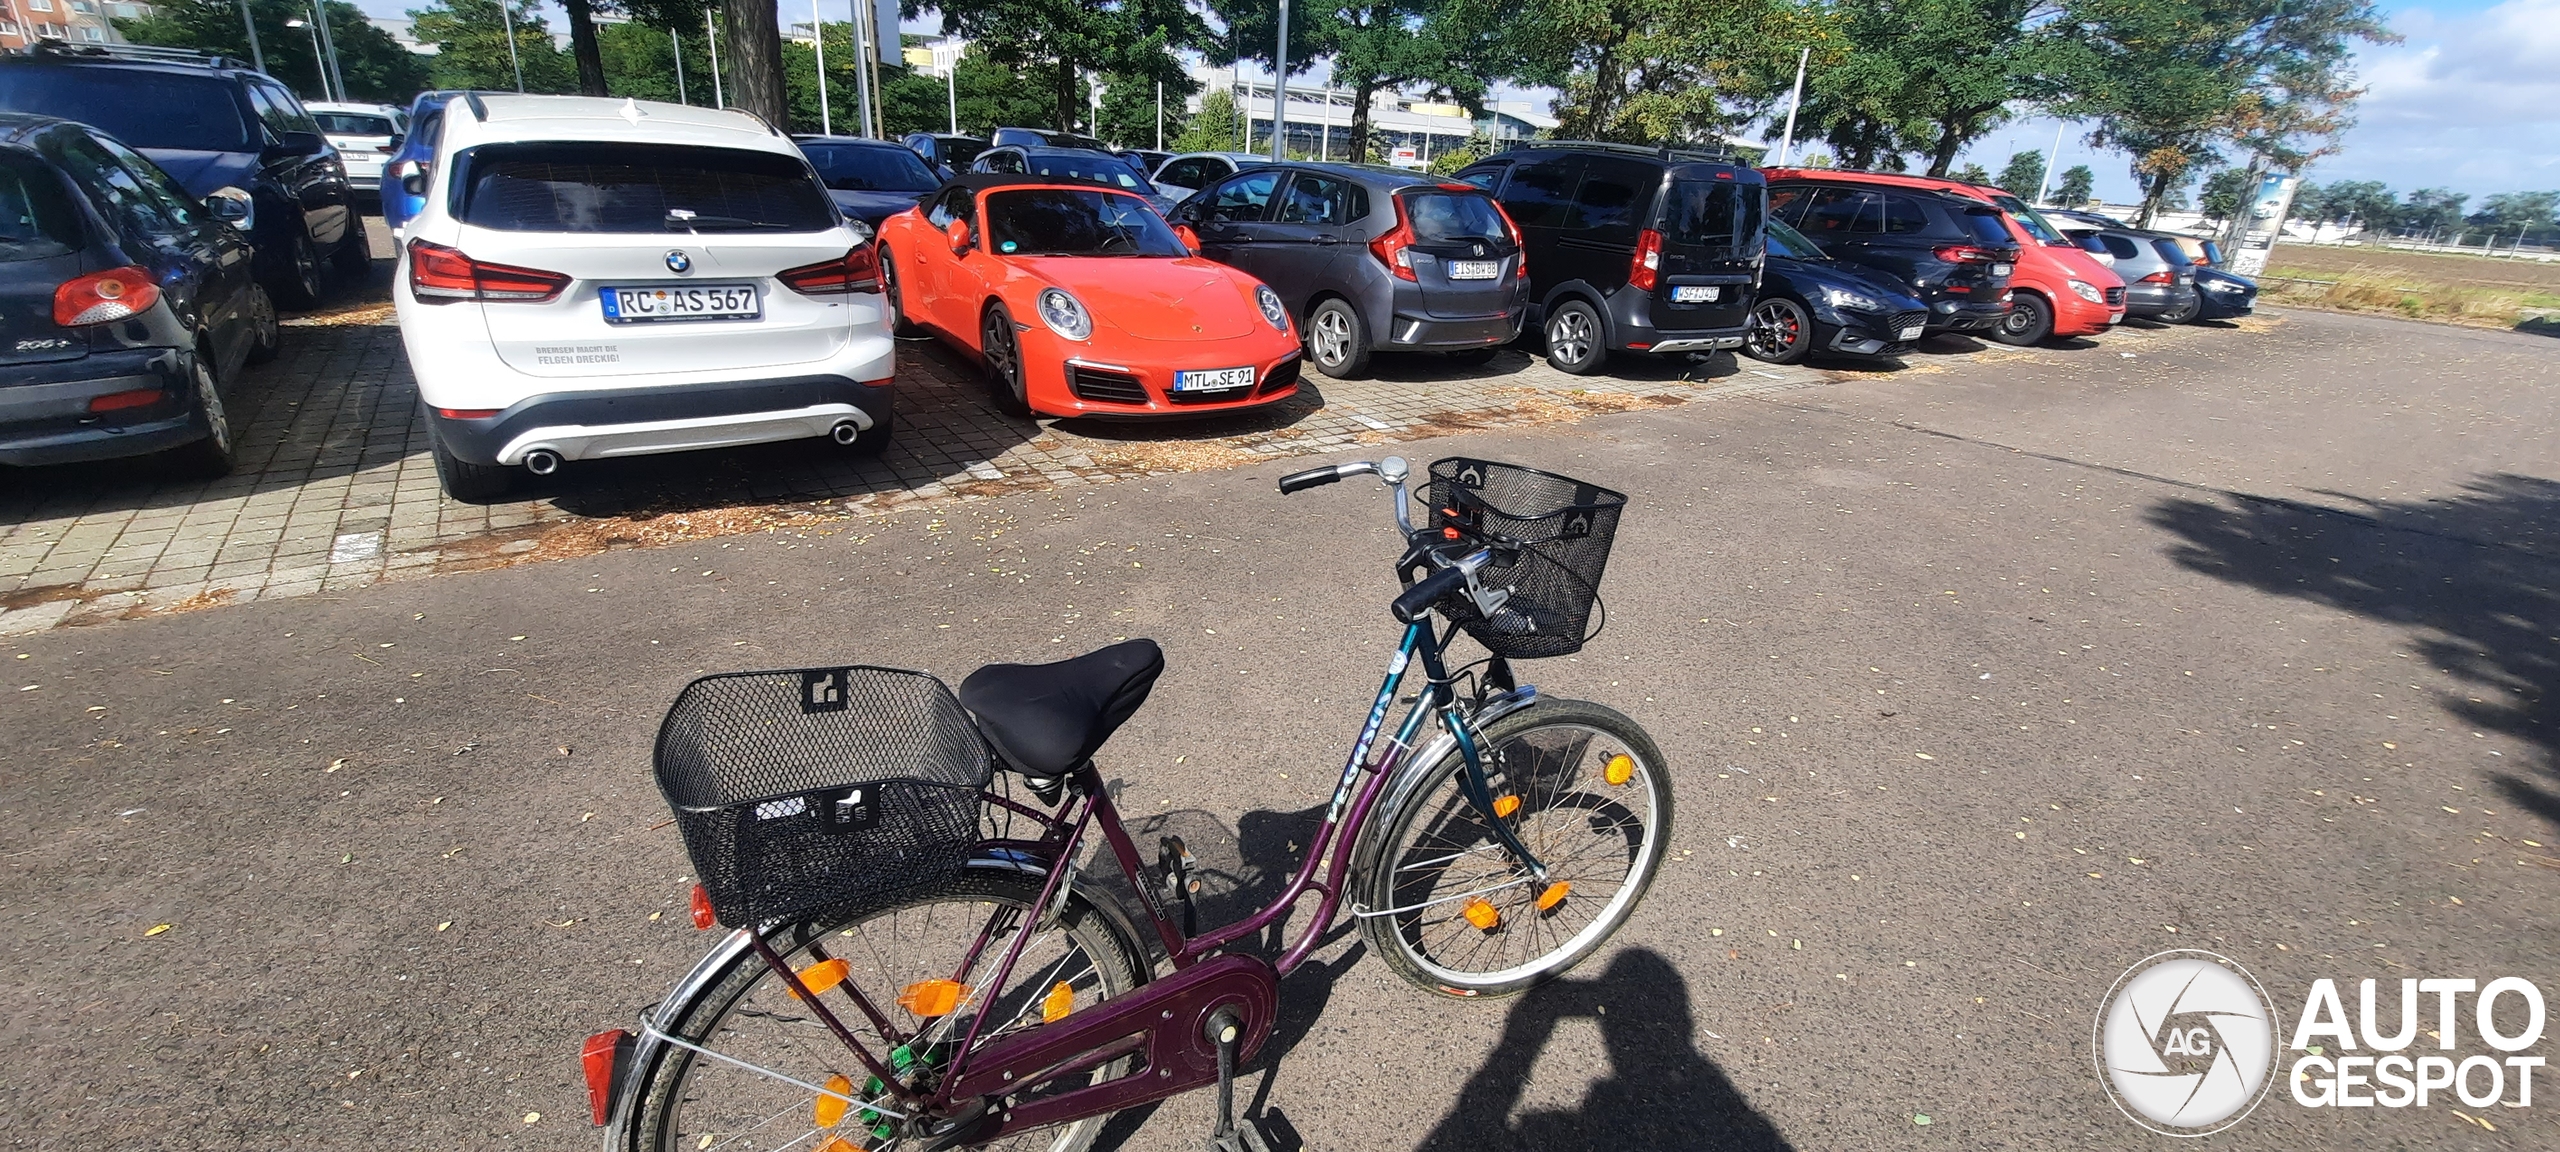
{"x": 1418, "y": 599}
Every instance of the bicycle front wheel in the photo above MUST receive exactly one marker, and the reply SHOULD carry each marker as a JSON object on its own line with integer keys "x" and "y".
{"x": 1452, "y": 911}
{"x": 692, "y": 1102}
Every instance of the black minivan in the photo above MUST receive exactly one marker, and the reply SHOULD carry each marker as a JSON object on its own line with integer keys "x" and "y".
{"x": 1632, "y": 249}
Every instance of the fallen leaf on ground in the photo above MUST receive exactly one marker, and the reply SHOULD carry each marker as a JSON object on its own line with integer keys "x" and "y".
{"x": 155, "y": 929}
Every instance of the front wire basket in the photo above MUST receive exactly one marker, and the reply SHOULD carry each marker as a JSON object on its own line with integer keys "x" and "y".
{"x": 807, "y": 790}
{"x": 1550, "y": 537}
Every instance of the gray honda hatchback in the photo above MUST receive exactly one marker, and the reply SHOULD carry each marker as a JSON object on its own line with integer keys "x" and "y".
{"x": 1370, "y": 259}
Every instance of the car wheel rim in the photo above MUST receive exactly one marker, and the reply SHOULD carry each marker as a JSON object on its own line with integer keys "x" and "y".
{"x": 2022, "y": 316}
{"x": 1569, "y": 338}
{"x": 889, "y": 292}
{"x": 1332, "y": 337}
{"x": 306, "y": 267}
{"x": 209, "y": 398}
{"x": 1000, "y": 355}
{"x": 1775, "y": 329}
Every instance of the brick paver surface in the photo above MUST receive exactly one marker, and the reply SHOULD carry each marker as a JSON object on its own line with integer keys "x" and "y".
{"x": 335, "y": 489}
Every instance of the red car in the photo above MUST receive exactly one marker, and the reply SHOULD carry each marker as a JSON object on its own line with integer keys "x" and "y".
{"x": 1081, "y": 301}
{"x": 2056, "y": 289}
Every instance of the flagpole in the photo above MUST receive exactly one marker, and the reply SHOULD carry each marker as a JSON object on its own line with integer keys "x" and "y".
{"x": 1795, "y": 98}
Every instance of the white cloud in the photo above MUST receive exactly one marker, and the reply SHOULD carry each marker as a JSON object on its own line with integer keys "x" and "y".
{"x": 2470, "y": 102}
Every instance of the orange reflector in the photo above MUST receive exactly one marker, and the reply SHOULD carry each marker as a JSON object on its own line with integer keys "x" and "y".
{"x": 1481, "y": 914}
{"x": 819, "y": 977}
{"x": 930, "y": 998}
{"x": 837, "y": 1144}
{"x": 1504, "y": 806}
{"x": 1621, "y": 769}
{"x": 829, "y": 1110}
{"x": 1060, "y": 1001}
{"x": 703, "y": 917}
{"x": 1554, "y": 895}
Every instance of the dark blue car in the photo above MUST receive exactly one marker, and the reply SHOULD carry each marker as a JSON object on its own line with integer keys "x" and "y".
{"x": 871, "y": 180}
{"x": 1811, "y": 303}
{"x": 127, "y": 306}
{"x": 415, "y": 151}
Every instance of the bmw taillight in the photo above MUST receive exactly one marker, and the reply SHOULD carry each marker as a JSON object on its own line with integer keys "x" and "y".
{"x": 855, "y": 271}
{"x": 1395, "y": 248}
{"x": 1966, "y": 254}
{"x": 100, "y": 297}
{"x": 604, "y": 1058}
{"x": 441, "y": 275}
{"x": 1646, "y": 266}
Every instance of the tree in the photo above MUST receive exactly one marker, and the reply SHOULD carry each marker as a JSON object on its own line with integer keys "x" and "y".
{"x": 2023, "y": 174}
{"x": 639, "y": 61}
{"x": 2077, "y": 181}
{"x": 753, "y": 71}
{"x": 990, "y": 96}
{"x": 1129, "y": 105}
{"x": 2360, "y": 200}
{"x": 2518, "y": 216}
{"x": 2431, "y": 210}
{"x": 2225, "y": 193}
{"x": 471, "y": 47}
{"x": 1924, "y": 76}
{"x": 583, "y": 48}
{"x": 1652, "y": 71}
{"x": 375, "y": 67}
{"x": 1213, "y": 128}
{"x": 1393, "y": 44}
{"x": 1971, "y": 174}
{"x": 1065, "y": 39}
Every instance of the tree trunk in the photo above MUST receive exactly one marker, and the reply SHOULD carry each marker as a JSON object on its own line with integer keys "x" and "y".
{"x": 754, "y": 44}
{"x": 582, "y": 44}
{"x": 1066, "y": 92}
{"x": 2154, "y": 189}
{"x": 1361, "y": 91}
{"x": 1950, "y": 142}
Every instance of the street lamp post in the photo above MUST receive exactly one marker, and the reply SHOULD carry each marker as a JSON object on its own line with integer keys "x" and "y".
{"x": 518, "y": 61}
{"x": 678, "y": 42}
{"x": 818, "y": 40}
{"x": 319, "y": 62}
{"x": 329, "y": 44}
{"x": 711, "y": 32}
{"x": 1280, "y": 87}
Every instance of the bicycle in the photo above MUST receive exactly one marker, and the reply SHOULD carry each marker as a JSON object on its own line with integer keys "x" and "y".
{"x": 904, "y": 971}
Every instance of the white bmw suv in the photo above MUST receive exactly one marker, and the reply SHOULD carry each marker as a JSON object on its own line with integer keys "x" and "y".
{"x": 595, "y": 277}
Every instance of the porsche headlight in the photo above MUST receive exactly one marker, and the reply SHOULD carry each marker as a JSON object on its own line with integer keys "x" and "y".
{"x": 1064, "y": 314}
{"x": 2088, "y": 292}
{"x": 1272, "y": 309}
{"x": 1844, "y": 298}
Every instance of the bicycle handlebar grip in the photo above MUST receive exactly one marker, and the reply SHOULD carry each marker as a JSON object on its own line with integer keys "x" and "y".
{"x": 1301, "y": 481}
{"x": 1418, "y": 599}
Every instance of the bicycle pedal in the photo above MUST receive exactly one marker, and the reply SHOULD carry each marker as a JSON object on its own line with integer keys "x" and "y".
{"x": 1246, "y": 1137}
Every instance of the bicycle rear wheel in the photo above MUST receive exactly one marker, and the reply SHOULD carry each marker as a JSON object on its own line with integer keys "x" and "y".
{"x": 692, "y": 1102}
{"x": 1452, "y": 911}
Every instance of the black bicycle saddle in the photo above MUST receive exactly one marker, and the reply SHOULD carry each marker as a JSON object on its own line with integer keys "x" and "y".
{"x": 1045, "y": 719}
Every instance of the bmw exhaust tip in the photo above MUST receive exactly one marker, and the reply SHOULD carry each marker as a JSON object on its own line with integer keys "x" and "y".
{"x": 542, "y": 461}
{"x": 845, "y": 432}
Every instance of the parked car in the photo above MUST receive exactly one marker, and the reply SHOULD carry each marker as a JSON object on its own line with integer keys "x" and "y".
{"x": 1044, "y": 138}
{"x": 1180, "y": 176}
{"x": 1147, "y": 159}
{"x": 212, "y": 124}
{"x": 1632, "y": 249}
{"x": 871, "y": 180}
{"x": 596, "y": 278}
{"x": 1369, "y": 259}
{"x": 948, "y": 152}
{"x": 1073, "y": 165}
{"x": 127, "y": 305}
{"x": 1955, "y": 253}
{"x": 2159, "y": 277}
{"x": 365, "y": 136}
{"x": 1809, "y": 302}
{"x": 1081, "y": 301}
{"x": 417, "y": 149}
{"x": 2051, "y": 288}
{"x": 2223, "y": 295}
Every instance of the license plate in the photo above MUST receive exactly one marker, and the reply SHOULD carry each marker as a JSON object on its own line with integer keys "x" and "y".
{"x": 1212, "y": 379}
{"x": 2000, "y": 269}
{"x": 1695, "y": 293}
{"x": 1911, "y": 333}
{"x": 1474, "y": 269}
{"x": 681, "y": 302}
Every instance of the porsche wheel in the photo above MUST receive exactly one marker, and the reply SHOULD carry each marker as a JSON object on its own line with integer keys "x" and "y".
{"x": 1001, "y": 348}
{"x": 891, "y": 302}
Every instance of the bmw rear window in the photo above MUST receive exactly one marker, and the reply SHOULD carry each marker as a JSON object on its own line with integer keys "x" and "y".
{"x": 1712, "y": 213}
{"x": 552, "y": 186}
{"x": 142, "y": 107}
{"x": 37, "y": 220}
{"x": 1445, "y": 217}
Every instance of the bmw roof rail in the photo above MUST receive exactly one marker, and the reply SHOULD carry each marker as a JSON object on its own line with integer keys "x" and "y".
{"x": 761, "y": 122}
{"x": 479, "y": 110}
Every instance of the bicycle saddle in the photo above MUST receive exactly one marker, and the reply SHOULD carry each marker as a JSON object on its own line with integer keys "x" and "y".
{"x": 1044, "y": 719}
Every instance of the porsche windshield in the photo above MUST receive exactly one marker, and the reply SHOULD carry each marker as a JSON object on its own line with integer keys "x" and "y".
{"x": 1065, "y": 222}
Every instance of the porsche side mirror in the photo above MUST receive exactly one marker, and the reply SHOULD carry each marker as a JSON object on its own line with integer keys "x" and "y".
{"x": 958, "y": 234}
{"x": 1190, "y": 239}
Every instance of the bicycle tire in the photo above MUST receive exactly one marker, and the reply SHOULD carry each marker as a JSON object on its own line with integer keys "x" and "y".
{"x": 670, "y": 1088}
{"x": 1417, "y": 924}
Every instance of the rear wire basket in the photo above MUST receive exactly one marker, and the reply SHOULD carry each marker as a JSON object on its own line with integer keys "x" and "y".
{"x": 803, "y": 791}
{"x": 1550, "y": 537}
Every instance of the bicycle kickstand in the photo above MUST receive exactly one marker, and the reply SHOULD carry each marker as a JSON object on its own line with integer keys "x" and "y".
{"x": 1175, "y": 864}
{"x": 1225, "y": 1029}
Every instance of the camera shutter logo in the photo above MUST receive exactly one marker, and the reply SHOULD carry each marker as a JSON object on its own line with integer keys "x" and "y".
{"x": 2185, "y": 1043}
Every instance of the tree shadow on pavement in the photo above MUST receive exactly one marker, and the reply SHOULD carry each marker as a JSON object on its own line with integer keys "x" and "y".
{"x": 1659, "y": 1091}
{"x": 2475, "y": 579}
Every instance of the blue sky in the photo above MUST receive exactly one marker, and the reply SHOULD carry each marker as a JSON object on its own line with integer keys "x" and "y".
{"x": 2470, "y": 100}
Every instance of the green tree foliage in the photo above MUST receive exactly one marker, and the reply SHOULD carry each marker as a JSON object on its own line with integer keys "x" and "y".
{"x": 2514, "y": 215}
{"x": 2170, "y": 82}
{"x": 991, "y": 96}
{"x": 639, "y": 61}
{"x": 2432, "y": 210}
{"x": 1213, "y": 128}
{"x": 1129, "y": 108}
{"x": 1651, "y": 71}
{"x": 1971, "y": 174}
{"x": 1401, "y": 44}
{"x": 1890, "y": 77}
{"x": 471, "y": 47}
{"x": 1062, "y": 40}
{"x": 2225, "y": 193}
{"x": 375, "y": 67}
{"x": 2072, "y": 188}
{"x": 2023, "y": 174}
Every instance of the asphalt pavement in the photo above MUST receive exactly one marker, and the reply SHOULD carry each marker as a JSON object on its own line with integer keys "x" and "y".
{"x": 1981, "y": 682}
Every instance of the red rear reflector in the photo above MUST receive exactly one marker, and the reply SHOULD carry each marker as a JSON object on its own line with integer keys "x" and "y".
{"x": 101, "y": 297}
{"x": 468, "y": 413}
{"x": 1638, "y": 347}
{"x": 1966, "y": 254}
{"x": 702, "y": 914}
{"x": 1647, "y": 262}
{"x": 604, "y": 1057}
{"x": 118, "y": 401}
{"x": 855, "y": 271}
{"x": 441, "y": 275}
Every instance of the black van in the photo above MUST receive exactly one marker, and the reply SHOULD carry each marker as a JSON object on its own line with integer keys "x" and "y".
{"x": 1632, "y": 249}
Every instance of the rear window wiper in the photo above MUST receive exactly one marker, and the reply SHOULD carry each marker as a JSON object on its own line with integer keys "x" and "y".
{"x": 681, "y": 220}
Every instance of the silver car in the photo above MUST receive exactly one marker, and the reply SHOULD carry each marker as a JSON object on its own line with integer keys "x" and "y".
{"x": 1177, "y": 178}
{"x": 2159, "y": 277}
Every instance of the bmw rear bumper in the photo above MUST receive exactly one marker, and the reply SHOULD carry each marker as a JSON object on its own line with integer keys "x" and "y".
{"x": 591, "y": 425}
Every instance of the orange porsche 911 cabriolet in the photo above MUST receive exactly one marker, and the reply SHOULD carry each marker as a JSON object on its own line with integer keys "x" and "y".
{"x": 1081, "y": 301}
